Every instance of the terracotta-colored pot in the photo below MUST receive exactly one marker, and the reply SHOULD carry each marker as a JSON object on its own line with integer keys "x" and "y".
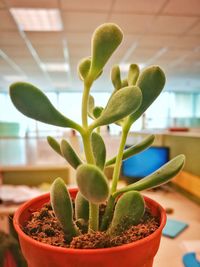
{"x": 138, "y": 254}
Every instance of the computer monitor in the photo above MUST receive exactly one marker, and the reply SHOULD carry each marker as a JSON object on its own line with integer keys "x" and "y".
{"x": 146, "y": 162}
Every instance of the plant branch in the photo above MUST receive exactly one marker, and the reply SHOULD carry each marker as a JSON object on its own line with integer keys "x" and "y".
{"x": 86, "y": 136}
{"x": 87, "y": 85}
{"x": 118, "y": 163}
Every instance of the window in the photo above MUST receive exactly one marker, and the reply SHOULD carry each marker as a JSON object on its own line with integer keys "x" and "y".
{"x": 157, "y": 115}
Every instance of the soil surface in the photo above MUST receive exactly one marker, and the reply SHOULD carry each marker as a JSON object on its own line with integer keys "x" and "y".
{"x": 44, "y": 227}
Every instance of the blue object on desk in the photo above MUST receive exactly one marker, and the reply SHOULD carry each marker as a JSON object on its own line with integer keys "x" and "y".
{"x": 173, "y": 228}
{"x": 189, "y": 260}
{"x": 146, "y": 162}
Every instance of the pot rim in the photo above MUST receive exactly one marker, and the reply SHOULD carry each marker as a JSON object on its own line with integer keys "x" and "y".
{"x": 41, "y": 245}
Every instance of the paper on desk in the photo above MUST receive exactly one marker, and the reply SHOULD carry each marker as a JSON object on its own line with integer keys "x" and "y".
{"x": 18, "y": 194}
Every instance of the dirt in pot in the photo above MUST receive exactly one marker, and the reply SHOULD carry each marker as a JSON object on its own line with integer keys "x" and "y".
{"x": 44, "y": 227}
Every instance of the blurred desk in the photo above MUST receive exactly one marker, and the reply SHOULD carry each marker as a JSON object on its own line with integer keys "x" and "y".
{"x": 34, "y": 175}
{"x": 183, "y": 210}
{"x": 11, "y": 197}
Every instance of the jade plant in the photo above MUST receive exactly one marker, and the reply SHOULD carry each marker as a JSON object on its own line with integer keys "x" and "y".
{"x": 130, "y": 98}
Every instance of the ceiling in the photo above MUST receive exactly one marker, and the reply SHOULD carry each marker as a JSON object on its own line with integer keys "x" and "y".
{"x": 161, "y": 32}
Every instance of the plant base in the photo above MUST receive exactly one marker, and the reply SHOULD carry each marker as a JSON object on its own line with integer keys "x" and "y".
{"x": 37, "y": 254}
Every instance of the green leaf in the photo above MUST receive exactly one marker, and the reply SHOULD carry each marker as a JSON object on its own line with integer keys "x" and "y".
{"x": 128, "y": 211}
{"x": 81, "y": 207}
{"x": 135, "y": 149}
{"x": 115, "y": 77}
{"x": 97, "y": 112}
{"x": 133, "y": 74}
{"x": 62, "y": 206}
{"x": 120, "y": 122}
{"x": 124, "y": 83}
{"x": 120, "y": 105}
{"x": 54, "y": 144}
{"x": 99, "y": 150}
{"x": 159, "y": 177}
{"x": 92, "y": 183}
{"x": 151, "y": 82}
{"x": 84, "y": 67}
{"x": 69, "y": 154}
{"x": 34, "y": 104}
{"x": 105, "y": 40}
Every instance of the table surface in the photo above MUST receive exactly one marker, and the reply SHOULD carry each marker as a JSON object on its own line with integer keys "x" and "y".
{"x": 171, "y": 250}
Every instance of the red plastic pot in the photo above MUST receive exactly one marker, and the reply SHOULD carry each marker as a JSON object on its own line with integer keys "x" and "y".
{"x": 138, "y": 254}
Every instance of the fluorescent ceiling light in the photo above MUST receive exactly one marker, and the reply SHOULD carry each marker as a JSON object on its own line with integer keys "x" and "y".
{"x": 55, "y": 66}
{"x": 37, "y": 19}
{"x": 124, "y": 67}
{"x": 14, "y": 78}
{"x": 61, "y": 85}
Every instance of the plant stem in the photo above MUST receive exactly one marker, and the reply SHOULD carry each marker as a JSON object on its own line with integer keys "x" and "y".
{"x": 93, "y": 208}
{"x": 93, "y": 217}
{"x": 107, "y": 217}
{"x": 98, "y": 130}
{"x": 117, "y": 167}
{"x": 88, "y": 148}
{"x": 87, "y": 85}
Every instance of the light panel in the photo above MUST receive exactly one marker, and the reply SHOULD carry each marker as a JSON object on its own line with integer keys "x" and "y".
{"x": 37, "y": 19}
{"x": 14, "y": 78}
{"x": 57, "y": 67}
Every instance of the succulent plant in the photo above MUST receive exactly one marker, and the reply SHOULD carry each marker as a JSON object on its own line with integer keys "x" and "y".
{"x": 129, "y": 100}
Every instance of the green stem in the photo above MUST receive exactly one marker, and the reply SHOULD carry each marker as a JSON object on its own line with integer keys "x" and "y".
{"x": 86, "y": 135}
{"x": 107, "y": 217}
{"x": 87, "y": 85}
{"x": 88, "y": 148}
{"x": 98, "y": 130}
{"x": 117, "y": 167}
{"x": 93, "y": 217}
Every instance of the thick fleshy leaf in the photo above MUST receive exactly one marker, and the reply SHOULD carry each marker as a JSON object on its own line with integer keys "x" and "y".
{"x": 62, "y": 206}
{"x": 54, "y": 144}
{"x": 97, "y": 112}
{"x": 120, "y": 105}
{"x": 105, "y": 40}
{"x": 159, "y": 177}
{"x": 99, "y": 150}
{"x": 151, "y": 82}
{"x": 135, "y": 149}
{"x": 69, "y": 154}
{"x": 116, "y": 77}
{"x": 92, "y": 183}
{"x": 81, "y": 207}
{"x": 33, "y": 103}
{"x": 128, "y": 211}
{"x": 124, "y": 83}
{"x": 133, "y": 74}
{"x": 83, "y": 67}
{"x": 120, "y": 122}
